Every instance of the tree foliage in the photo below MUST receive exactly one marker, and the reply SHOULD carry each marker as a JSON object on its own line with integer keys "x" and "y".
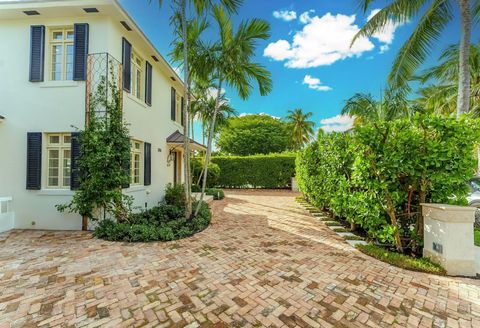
{"x": 378, "y": 176}
{"x": 300, "y": 127}
{"x": 253, "y": 134}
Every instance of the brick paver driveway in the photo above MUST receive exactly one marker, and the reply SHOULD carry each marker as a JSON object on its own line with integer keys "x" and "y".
{"x": 263, "y": 262}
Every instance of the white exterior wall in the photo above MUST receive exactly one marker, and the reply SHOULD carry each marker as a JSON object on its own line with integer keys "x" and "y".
{"x": 57, "y": 106}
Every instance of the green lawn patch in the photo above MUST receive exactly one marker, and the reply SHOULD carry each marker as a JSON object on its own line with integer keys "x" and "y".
{"x": 332, "y": 224}
{"x": 352, "y": 238}
{"x": 476, "y": 236}
{"x": 402, "y": 261}
{"x": 342, "y": 230}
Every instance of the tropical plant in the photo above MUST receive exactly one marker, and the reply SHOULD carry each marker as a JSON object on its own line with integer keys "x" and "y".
{"x": 179, "y": 20}
{"x": 441, "y": 96}
{"x": 364, "y": 108}
{"x": 232, "y": 65}
{"x": 435, "y": 16}
{"x": 300, "y": 127}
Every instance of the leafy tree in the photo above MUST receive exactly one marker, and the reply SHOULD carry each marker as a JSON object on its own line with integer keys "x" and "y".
{"x": 232, "y": 64}
{"x": 366, "y": 109}
{"x": 441, "y": 96}
{"x": 300, "y": 127}
{"x": 435, "y": 15}
{"x": 253, "y": 134}
{"x": 179, "y": 20}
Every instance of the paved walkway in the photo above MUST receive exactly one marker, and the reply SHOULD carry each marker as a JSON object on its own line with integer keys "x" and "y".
{"x": 263, "y": 262}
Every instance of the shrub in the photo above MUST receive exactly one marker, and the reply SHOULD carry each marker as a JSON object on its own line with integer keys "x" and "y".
{"x": 161, "y": 223}
{"x": 257, "y": 171}
{"x": 216, "y": 193}
{"x": 175, "y": 195}
{"x": 377, "y": 177}
{"x": 212, "y": 175}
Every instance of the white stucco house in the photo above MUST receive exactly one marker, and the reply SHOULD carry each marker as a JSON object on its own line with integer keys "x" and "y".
{"x": 44, "y": 56}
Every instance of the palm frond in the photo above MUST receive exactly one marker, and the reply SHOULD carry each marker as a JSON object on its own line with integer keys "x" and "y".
{"x": 399, "y": 11}
{"x": 417, "y": 47}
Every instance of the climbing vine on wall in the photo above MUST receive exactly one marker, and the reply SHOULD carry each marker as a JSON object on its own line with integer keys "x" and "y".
{"x": 103, "y": 164}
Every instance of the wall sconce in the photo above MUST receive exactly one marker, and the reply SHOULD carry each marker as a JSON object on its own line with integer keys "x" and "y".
{"x": 170, "y": 157}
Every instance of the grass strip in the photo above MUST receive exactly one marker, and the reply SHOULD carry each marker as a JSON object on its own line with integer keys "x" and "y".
{"x": 402, "y": 261}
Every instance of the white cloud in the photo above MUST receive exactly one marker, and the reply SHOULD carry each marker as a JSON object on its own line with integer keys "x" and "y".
{"x": 323, "y": 41}
{"x": 305, "y": 17}
{"x": 266, "y": 114}
{"x": 386, "y": 34}
{"x": 339, "y": 123}
{"x": 285, "y": 15}
{"x": 315, "y": 83}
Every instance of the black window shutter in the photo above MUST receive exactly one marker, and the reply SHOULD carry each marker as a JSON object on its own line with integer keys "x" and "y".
{"x": 147, "y": 165}
{"x": 37, "y": 53}
{"x": 173, "y": 114}
{"x": 80, "y": 52}
{"x": 126, "y": 62}
{"x": 34, "y": 160}
{"x": 181, "y": 115}
{"x": 148, "y": 84}
{"x": 75, "y": 155}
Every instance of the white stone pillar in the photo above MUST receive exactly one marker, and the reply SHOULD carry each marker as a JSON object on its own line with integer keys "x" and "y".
{"x": 448, "y": 237}
{"x": 294, "y": 184}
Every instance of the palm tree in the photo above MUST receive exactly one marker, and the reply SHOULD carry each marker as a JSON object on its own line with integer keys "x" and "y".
{"x": 441, "y": 96}
{"x": 180, "y": 18}
{"x": 364, "y": 108}
{"x": 232, "y": 65}
{"x": 436, "y": 14}
{"x": 301, "y": 128}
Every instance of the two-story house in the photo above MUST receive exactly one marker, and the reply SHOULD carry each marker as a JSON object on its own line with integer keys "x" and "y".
{"x": 45, "y": 51}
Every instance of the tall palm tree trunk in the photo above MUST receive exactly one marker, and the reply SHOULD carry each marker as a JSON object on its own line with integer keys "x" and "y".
{"x": 209, "y": 144}
{"x": 463, "y": 99}
{"x": 186, "y": 91}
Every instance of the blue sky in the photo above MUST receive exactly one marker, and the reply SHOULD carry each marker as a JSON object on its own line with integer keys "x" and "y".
{"x": 315, "y": 78}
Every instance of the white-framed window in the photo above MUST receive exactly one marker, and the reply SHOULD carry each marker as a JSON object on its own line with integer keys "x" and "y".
{"x": 61, "y": 54}
{"x": 136, "y": 162}
{"x": 137, "y": 76}
{"x": 58, "y": 168}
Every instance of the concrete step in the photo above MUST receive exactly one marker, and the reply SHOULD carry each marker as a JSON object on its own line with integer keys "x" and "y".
{"x": 356, "y": 242}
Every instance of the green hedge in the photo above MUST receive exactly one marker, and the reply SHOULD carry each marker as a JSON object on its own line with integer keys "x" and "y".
{"x": 257, "y": 171}
{"x": 378, "y": 176}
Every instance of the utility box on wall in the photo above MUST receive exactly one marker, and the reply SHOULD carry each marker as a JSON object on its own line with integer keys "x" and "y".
{"x": 448, "y": 237}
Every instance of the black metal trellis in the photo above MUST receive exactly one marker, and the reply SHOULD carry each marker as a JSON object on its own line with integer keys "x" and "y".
{"x": 103, "y": 73}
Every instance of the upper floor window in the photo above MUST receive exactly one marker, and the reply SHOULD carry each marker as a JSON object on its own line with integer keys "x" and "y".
{"x": 137, "y": 76}
{"x": 61, "y": 54}
{"x": 136, "y": 162}
{"x": 58, "y": 160}
{"x": 178, "y": 110}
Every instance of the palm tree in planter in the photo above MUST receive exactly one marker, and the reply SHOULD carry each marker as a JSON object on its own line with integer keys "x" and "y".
{"x": 179, "y": 19}
{"x": 435, "y": 15}
{"x": 301, "y": 128}
{"x": 232, "y": 65}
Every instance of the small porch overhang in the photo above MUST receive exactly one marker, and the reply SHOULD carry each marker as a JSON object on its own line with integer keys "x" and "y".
{"x": 176, "y": 140}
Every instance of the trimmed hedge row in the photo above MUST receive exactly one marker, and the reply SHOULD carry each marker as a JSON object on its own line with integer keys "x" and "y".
{"x": 272, "y": 171}
{"x": 378, "y": 176}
